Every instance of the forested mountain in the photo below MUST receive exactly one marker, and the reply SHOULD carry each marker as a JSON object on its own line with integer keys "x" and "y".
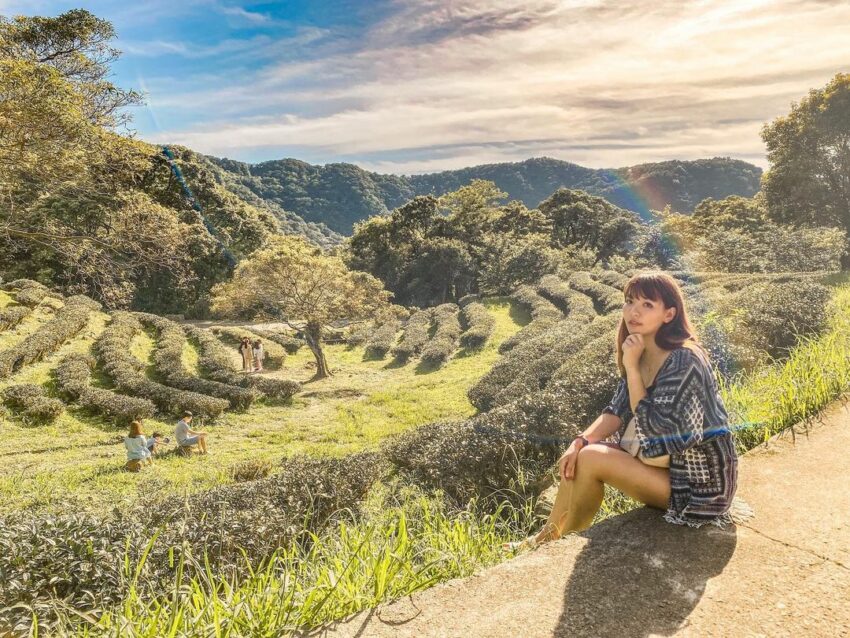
{"x": 341, "y": 194}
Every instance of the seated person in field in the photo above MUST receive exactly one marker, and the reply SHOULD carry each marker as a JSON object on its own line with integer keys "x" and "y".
{"x": 187, "y": 437}
{"x": 138, "y": 454}
{"x": 156, "y": 441}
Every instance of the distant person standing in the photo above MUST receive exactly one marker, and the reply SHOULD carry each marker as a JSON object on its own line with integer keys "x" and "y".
{"x": 187, "y": 437}
{"x": 247, "y": 353}
{"x": 258, "y": 356}
{"x": 138, "y": 454}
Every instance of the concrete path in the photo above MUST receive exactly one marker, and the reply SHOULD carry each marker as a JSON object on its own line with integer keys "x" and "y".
{"x": 785, "y": 572}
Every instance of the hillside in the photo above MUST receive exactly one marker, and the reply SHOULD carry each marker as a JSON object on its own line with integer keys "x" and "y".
{"x": 391, "y": 465}
{"x": 340, "y": 194}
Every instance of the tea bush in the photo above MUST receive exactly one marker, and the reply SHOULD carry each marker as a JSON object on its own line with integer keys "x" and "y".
{"x": 70, "y": 319}
{"x": 382, "y": 339}
{"x": 167, "y": 358}
{"x": 12, "y": 316}
{"x": 479, "y": 325}
{"x": 73, "y": 376}
{"x": 31, "y": 403}
{"x": 543, "y": 316}
{"x": 215, "y": 362}
{"x": 415, "y": 335}
{"x": 440, "y": 347}
{"x": 112, "y": 349}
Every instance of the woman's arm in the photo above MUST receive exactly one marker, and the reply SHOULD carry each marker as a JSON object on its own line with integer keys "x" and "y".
{"x": 604, "y": 426}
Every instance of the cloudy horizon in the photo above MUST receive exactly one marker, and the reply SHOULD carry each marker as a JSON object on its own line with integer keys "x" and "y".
{"x": 413, "y": 86}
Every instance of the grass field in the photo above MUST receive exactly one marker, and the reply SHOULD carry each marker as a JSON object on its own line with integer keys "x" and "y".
{"x": 76, "y": 462}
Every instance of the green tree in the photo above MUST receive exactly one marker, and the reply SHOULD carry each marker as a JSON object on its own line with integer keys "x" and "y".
{"x": 291, "y": 280}
{"x": 808, "y": 183}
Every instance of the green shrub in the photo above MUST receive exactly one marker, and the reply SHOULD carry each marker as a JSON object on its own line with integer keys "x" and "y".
{"x": 382, "y": 339}
{"x": 215, "y": 363}
{"x": 275, "y": 354}
{"x": 113, "y": 352}
{"x": 167, "y": 360}
{"x": 289, "y": 343}
{"x": 68, "y": 322}
{"x": 775, "y": 314}
{"x": 32, "y": 296}
{"x": 483, "y": 454}
{"x": 21, "y": 284}
{"x": 415, "y": 335}
{"x": 543, "y": 316}
{"x": 566, "y": 352}
{"x": 569, "y": 301}
{"x": 73, "y": 376}
{"x": 478, "y": 322}
{"x": 359, "y": 333}
{"x": 250, "y": 470}
{"x": 440, "y": 347}
{"x": 12, "y": 316}
{"x": 31, "y": 403}
{"x": 611, "y": 278}
{"x": 605, "y": 298}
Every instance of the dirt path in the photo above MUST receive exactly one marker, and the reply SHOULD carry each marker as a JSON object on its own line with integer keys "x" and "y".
{"x": 785, "y": 572}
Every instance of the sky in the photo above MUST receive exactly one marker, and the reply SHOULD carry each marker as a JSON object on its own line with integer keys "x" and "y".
{"x": 415, "y": 86}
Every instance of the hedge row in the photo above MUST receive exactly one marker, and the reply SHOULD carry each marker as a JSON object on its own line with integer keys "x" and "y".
{"x": 543, "y": 316}
{"x": 168, "y": 364}
{"x": 30, "y": 401}
{"x": 21, "y": 284}
{"x": 468, "y": 299}
{"x": 535, "y": 358}
{"x": 288, "y": 342}
{"x": 611, "y": 278}
{"x": 275, "y": 354}
{"x": 79, "y": 558}
{"x": 32, "y": 296}
{"x": 605, "y": 298}
{"x": 382, "y": 339}
{"x": 70, "y": 319}
{"x": 113, "y": 352}
{"x": 570, "y": 301}
{"x": 415, "y": 335}
{"x": 440, "y": 347}
{"x": 538, "y": 372}
{"x": 12, "y": 316}
{"x": 359, "y": 333}
{"x": 479, "y": 325}
{"x": 215, "y": 362}
{"x": 481, "y": 455}
{"x": 73, "y": 376}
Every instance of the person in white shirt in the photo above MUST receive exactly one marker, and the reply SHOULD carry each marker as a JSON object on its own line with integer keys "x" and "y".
{"x": 186, "y": 436}
{"x": 138, "y": 454}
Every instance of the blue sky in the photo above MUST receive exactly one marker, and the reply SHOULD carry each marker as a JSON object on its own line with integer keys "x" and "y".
{"x": 411, "y": 86}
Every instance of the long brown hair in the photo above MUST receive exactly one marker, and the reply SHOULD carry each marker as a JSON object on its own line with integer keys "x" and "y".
{"x": 678, "y": 332}
{"x": 136, "y": 429}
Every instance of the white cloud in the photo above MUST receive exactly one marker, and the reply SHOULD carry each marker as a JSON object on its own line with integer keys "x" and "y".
{"x": 601, "y": 83}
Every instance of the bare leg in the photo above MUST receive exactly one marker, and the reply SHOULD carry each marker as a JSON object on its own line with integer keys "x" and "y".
{"x": 579, "y": 498}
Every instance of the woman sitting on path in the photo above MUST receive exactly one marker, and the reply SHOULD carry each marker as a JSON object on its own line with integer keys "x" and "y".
{"x": 138, "y": 454}
{"x": 673, "y": 448}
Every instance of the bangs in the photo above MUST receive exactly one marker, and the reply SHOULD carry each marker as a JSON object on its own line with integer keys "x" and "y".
{"x": 645, "y": 288}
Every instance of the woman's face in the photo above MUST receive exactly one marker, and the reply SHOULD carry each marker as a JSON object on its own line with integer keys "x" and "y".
{"x": 645, "y": 316}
